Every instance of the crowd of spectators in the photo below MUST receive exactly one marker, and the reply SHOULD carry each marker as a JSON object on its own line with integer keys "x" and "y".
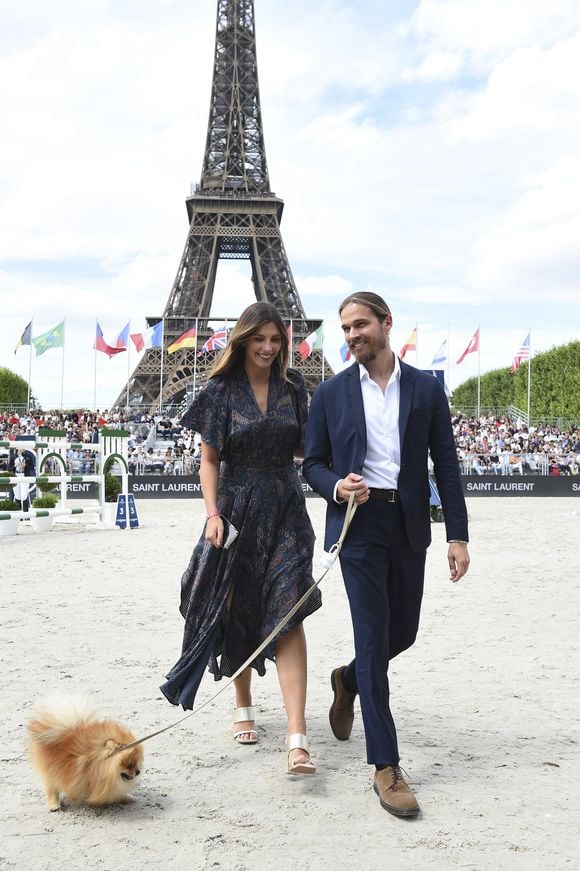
{"x": 80, "y": 428}
{"x": 504, "y": 446}
{"x": 179, "y": 455}
{"x": 159, "y": 444}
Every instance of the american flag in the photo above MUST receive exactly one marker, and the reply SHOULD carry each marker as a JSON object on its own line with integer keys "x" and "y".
{"x": 216, "y": 341}
{"x": 523, "y": 353}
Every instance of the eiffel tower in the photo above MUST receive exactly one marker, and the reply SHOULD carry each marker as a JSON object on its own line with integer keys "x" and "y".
{"x": 233, "y": 214}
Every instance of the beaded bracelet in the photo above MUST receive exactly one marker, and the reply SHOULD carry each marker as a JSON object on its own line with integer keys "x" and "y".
{"x": 212, "y": 514}
{"x": 457, "y": 541}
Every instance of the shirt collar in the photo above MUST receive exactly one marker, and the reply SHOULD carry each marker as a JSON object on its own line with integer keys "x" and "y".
{"x": 364, "y": 372}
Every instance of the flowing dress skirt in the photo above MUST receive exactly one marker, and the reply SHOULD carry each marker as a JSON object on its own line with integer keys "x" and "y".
{"x": 232, "y": 599}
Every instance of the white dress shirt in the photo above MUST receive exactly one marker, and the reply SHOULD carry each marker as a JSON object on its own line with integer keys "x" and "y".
{"x": 382, "y": 462}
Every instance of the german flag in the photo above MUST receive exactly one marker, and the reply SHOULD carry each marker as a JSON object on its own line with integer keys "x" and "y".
{"x": 188, "y": 339}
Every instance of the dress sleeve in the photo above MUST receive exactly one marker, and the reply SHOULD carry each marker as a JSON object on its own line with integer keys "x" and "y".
{"x": 209, "y": 414}
{"x": 298, "y": 383}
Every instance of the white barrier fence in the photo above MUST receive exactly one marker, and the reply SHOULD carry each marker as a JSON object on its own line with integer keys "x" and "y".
{"x": 111, "y": 448}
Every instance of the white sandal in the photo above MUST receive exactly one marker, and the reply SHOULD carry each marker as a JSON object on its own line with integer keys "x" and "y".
{"x": 296, "y": 741}
{"x": 245, "y": 715}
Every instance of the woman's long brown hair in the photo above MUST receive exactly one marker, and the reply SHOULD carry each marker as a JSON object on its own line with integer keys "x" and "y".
{"x": 248, "y": 323}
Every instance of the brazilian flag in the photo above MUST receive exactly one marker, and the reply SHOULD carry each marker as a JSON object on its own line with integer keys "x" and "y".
{"x": 52, "y": 339}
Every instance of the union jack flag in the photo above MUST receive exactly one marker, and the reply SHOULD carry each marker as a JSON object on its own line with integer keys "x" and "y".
{"x": 523, "y": 353}
{"x": 217, "y": 340}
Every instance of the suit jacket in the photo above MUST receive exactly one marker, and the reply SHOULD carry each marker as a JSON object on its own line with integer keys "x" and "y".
{"x": 336, "y": 445}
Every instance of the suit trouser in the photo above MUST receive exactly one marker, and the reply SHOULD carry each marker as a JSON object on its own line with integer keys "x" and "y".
{"x": 384, "y": 584}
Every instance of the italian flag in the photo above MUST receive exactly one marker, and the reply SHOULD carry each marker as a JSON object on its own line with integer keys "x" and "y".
{"x": 311, "y": 343}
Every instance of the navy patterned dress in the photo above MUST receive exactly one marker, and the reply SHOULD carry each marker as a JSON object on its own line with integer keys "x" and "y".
{"x": 269, "y": 566}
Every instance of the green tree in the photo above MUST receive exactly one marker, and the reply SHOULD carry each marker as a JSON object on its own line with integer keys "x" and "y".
{"x": 13, "y": 388}
{"x": 555, "y": 385}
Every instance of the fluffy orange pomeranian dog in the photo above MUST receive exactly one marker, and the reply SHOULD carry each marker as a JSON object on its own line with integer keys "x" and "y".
{"x": 79, "y": 755}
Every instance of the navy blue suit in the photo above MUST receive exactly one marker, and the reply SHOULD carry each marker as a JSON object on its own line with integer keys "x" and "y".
{"x": 383, "y": 556}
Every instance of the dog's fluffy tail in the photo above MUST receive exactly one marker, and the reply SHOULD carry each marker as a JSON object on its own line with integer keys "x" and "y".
{"x": 58, "y": 714}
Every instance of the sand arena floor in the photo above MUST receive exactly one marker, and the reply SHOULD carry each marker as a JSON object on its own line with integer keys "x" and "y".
{"x": 485, "y": 704}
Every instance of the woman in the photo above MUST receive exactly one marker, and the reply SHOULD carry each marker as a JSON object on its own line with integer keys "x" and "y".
{"x": 251, "y": 417}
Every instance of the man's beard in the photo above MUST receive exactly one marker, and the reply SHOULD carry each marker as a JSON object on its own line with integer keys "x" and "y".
{"x": 367, "y": 351}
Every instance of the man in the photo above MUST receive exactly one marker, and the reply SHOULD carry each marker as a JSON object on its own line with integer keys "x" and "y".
{"x": 370, "y": 429}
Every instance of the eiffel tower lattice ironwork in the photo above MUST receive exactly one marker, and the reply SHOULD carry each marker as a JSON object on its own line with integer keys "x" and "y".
{"x": 233, "y": 214}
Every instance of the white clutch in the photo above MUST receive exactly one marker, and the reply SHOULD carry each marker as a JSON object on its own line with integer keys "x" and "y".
{"x": 230, "y": 533}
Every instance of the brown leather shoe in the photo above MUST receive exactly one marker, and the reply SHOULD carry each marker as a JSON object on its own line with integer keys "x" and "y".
{"x": 341, "y": 714}
{"x": 394, "y": 793}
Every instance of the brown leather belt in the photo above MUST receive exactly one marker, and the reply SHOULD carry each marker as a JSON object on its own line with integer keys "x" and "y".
{"x": 385, "y": 495}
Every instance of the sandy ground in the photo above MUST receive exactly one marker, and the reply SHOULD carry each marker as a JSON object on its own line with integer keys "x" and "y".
{"x": 484, "y": 704}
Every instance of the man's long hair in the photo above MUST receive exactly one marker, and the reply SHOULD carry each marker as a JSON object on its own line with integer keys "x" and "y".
{"x": 372, "y": 300}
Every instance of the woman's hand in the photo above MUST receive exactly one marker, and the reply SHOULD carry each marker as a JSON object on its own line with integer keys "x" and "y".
{"x": 209, "y": 473}
{"x": 214, "y": 531}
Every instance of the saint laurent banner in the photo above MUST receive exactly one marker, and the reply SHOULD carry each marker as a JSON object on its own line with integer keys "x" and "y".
{"x": 521, "y": 485}
{"x": 188, "y": 486}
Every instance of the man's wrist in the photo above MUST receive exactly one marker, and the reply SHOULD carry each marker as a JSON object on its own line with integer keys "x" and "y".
{"x": 457, "y": 541}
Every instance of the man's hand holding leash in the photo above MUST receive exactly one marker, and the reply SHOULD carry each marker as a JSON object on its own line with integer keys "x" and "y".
{"x": 352, "y": 484}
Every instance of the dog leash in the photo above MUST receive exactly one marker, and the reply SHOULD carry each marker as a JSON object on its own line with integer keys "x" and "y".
{"x": 327, "y": 561}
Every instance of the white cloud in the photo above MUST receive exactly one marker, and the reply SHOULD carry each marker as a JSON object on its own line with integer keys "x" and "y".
{"x": 437, "y": 66}
{"x": 334, "y": 286}
{"x": 534, "y": 247}
{"x": 427, "y": 152}
{"x": 530, "y": 93}
{"x": 486, "y": 32}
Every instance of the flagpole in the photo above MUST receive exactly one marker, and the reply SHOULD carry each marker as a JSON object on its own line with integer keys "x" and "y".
{"x": 478, "y": 373}
{"x": 29, "y": 370}
{"x": 195, "y": 359}
{"x": 417, "y": 345}
{"x": 161, "y": 372}
{"x": 95, "y": 376}
{"x": 128, "y": 368}
{"x": 448, "y": 356}
{"x": 62, "y": 371}
{"x": 529, "y": 372}
{"x": 322, "y": 352}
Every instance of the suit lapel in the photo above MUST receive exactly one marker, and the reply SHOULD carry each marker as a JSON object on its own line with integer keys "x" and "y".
{"x": 354, "y": 394}
{"x": 406, "y": 399}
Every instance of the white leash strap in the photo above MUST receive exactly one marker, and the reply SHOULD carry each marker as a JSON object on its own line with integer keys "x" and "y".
{"x": 328, "y": 561}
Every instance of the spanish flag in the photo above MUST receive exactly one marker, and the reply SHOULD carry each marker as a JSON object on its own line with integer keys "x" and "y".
{"x": 410, "y": 344}
{"x": 188, "y": 339}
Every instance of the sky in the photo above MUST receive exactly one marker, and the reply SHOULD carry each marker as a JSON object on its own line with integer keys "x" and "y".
{"x": 428, "y": 150}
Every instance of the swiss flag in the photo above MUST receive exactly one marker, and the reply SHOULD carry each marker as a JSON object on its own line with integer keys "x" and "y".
{"x": 471, "y": 348}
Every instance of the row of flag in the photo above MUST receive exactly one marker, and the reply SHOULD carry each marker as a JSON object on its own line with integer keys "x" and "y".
{"x": 51, "y": 339}
{"x": 440, "y": 356}
{"x": 153, "y": 338}
{"x": 150, "y": 338}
